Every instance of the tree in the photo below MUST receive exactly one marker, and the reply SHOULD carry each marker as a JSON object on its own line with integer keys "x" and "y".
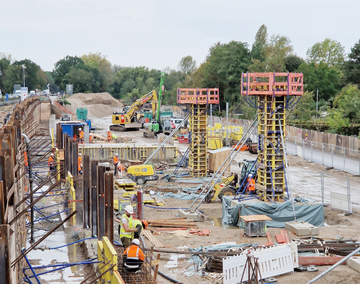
{"x": 187, "y": 65}
{"x": 328, "y": 51}
{"x": 80, "y": 78}
{"x": 63, "y": 66}
{"x": 259, "y": 43}
{"x": 13, "y": 75}
{"x": 32, "y": 79}
{"x": 352, "y": 66}
{"x": 321, "y": 77}
{"x": 292, "y": 63}
{"x": 337, "y": 121}
{"x": 348, "y": 103}
{"x": 305, "y": 109}
{"x": 4, "y": 65}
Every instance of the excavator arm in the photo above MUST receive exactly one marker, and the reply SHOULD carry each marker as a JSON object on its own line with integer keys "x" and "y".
{"x": 140, "y": 102}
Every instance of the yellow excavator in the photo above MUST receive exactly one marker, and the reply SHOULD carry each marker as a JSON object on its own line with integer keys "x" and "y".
{"x": 131, "y": 119}
{"x": 221, "y": 188}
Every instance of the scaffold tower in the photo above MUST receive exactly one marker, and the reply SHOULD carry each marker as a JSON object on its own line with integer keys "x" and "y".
{"x": 196, "y": 101}
{"x": 275, "y": 92}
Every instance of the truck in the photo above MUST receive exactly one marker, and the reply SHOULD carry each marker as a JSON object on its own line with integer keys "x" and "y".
{"x": 128, "y": 118}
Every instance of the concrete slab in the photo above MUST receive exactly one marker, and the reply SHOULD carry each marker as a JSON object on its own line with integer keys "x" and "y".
{"x": 354, "y": 263}
{"x": 302, "y": 228}
{"x": 191, "y": 215}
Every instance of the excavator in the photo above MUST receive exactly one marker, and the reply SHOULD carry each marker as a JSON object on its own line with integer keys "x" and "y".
{"x": 130, "y": 118}
{"x": 156, "y": 126}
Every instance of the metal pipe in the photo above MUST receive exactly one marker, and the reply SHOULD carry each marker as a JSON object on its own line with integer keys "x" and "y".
{"x": 334, "y": 266}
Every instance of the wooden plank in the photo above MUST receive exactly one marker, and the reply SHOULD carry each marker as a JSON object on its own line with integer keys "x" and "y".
{"x": 155, "y": 242}
{"x": 254, "y": 218}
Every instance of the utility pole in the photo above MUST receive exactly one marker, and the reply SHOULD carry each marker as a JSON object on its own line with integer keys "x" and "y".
{"x": 24, "y": 67}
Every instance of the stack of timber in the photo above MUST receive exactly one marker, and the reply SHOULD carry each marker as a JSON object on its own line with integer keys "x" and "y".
{"x": 154, "y": 241}
{"x": 178, "y": 223}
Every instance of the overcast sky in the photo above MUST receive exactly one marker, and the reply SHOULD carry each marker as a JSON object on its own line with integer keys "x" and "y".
{"x": 158, "y": 33}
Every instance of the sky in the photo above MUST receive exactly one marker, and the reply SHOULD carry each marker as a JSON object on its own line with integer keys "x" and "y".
{"x": 158, "y": 33}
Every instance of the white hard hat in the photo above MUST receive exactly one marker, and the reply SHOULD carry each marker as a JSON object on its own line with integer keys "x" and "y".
{"x": 79, "y": 154}
{"x": 129, "y": 209}
{"x": 250, "y": 175}
{"x": 116, "y": 154}
{"x": 135, "y": 242}
{"x": 52, "y": 154}
{"x": 79, "y": 128}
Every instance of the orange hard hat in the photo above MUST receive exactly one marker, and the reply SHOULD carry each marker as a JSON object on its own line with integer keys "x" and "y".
{"x": 145, "y": 223}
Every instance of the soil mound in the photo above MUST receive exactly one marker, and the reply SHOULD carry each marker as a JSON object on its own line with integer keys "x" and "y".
{"x": 98, "y": 104}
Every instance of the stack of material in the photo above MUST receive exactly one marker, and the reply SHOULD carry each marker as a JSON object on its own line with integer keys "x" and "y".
{"x": 173, "y": 223}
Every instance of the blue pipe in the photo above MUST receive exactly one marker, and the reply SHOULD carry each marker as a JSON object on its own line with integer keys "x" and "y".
{"x": 32, "y": 270}
{"x": 74, "y": 242}
{"x": 51, "y": 215}
{"x": 62, "y": 264}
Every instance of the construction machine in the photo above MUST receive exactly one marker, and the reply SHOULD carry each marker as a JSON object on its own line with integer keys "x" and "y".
{"x": 156, "y": 126}
{"x": 129, "y": 118}
{"x": 222, "y": 188}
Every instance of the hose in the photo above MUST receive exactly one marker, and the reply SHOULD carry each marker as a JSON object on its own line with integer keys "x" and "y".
{"x": 78, "y": 241}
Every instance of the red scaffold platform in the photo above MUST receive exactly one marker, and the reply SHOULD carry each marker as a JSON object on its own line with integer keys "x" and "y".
{"x": 272, "y": 84}
{"x": 198, "y": 96}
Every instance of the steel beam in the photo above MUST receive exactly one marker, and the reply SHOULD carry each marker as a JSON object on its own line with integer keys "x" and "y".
{"x": 94, "y": 198}
{"x": 109, "y": 206}
{"x": 86, "y": 191}
{"x": 5, "y": 255}
{"x": 101, "y": 201}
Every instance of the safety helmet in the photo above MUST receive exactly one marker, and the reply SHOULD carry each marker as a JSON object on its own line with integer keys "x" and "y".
{"x": 79, "y": 154}
{"x": 52, "y": 154}
{"x": 116, "y": 154}
{"x": 135, "y": 242}
{"x": 250, "y": 175}
{"x": 129, "y": 209}
{"x": 79, "y": 128}
{"x": 144, "y": 223}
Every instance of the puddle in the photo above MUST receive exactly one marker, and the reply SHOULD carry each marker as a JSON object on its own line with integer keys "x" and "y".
{"x": 218, "y": 222}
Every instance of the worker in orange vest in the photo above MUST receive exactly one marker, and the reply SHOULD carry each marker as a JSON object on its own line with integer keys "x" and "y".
{"x": 109, "y": 136}
{"x": 116, "y": 162}
{"x": 90, "y": 138}
{"x": 51, "y": 163}
{"x": 251, "y": 185}
{"x": 26, "y": 163}
{"x": 121, "y": 169}
{"x": 79, "y": 164}
{"x": 81, "y": 136}
{"x": 133, "y": 256}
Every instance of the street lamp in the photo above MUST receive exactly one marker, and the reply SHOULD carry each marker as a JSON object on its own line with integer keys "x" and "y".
{"x": 24, "y": 67}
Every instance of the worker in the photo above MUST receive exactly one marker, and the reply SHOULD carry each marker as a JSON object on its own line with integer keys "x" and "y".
{"x": 121, "y": 169}
{"x": 116, "y": 162}
{"x": 26, "y": 163}
{"x": 51, "y": 163}
{"x": 81, "y": 136}
{"x": 79, "y": 164}
{"x": 90, "y": 138}
{"x": 126, "y": 227}
{"x": 75, "y": 138}
{"x": 251, "y": 185}
{"x": 109, "y": 136}
{"x": 133, "y": 256}
{"x": 139, "y": 225}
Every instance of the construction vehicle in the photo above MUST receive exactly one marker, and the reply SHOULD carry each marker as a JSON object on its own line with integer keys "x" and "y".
{"x": 141, "y": 173}
{"x": 222, "y": 188}
{"x": 155, "y": 126}
{"x": 128, "y": 118}
{"x": 247, "y": 167}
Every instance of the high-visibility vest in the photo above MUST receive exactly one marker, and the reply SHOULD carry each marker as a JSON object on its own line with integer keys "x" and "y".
{"x": 81, "y": 134}
{"x": 50, "y": 161}
{"x": 135, "y": 257}
{"x": 90, "y": 138}
{"x": 251, "y": 186}
{"x": 116, "y": 160}
{"x": 109, "y": 135}
{"x": 26, "y": 160}
{"x": 79, "y": 163}
{"x": 121, "y": 167}
{"x": 123, "y": 233}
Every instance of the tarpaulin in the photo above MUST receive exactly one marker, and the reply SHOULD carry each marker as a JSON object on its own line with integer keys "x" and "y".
{"x": 280, "y": 213}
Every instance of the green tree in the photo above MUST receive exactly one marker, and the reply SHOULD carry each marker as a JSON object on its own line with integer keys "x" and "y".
{"x": 352, "y": 66}
{"x": 305, "y": 109}
{"x": 321, "y": 77}
{"x": 292, "y": 63}
{"x": 259, "y": 43}
{"x": 63, "y": 66}
{"x": 4, "y": 65}
{"x": 80, "y": 78}
{"x": 337, "y": 121}
{"x": 328, "y": 51}
{"x": 348, "y": 103}
{"x": 187, "y": 65}
{"x": 13, "y": 75}
{"x": 32, "y": 79}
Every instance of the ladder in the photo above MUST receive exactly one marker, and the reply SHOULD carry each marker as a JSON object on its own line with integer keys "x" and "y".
{"x": 166, "y": 139}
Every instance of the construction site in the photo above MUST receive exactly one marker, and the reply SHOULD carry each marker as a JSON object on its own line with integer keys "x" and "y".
{"x": 216, "y": 202}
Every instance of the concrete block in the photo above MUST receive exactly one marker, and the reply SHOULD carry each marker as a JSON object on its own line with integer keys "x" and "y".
{"x": 302, "y": 228}
{"x": 354, "y": 263}
{"x": 191, "y": 215}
